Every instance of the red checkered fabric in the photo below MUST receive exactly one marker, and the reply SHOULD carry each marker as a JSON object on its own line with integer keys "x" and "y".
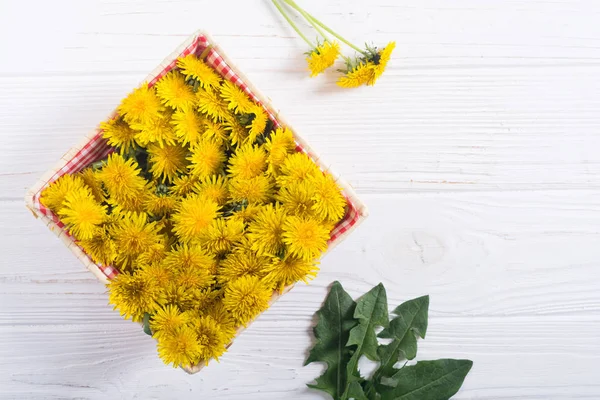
{"x": 97, "y": 148}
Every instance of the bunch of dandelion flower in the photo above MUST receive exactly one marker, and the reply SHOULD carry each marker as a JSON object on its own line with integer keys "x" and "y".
{"x": 254, "y": 190}
{"x": 297, "y": 199}
{"x": 258, "y": 124}
{"x": 248, "y": 162}
{"x": 121, "y": 177}
{"x": 206, "y": 159}
{"x": 135, "y": 294}
{"x": 188, "y": 125}
{"x": 167, "y": 161}
{"x": 91, "y": 180}
{"x": 167, "y": 320}
{"x": 278, "y": 146}
{"x": 282, "y": 272}
{"x": 101, "y": 247}
{"x": 237, "y": 134}
{"x": 81, "y": 213}
{"x": 266, "y": 230}
{"x": 181, "y": 348}
{"x": 119, "y": 134}
{"x": 241, "y": 262}
{"x": 134, "y": 235}
{"x": 54, "y": 195}
{"x": 194, "y": 68}
{"x": 183, "y": 185}
{"x": 221, "y": 235}
{"x": 193, "y": 216}
{"x": 328, "y": 201}
{"x": 214, "y": 187}
{"x": 211, "y": 338}
{"x": 305, "y": 237}
{"x": 140, "y": 106}
{"x": 157, "y": 130}
{"x": 296, "y": 167}
{"x": 174, "y": 92}
{"x": 211, "y": 104}
{"x": 246, "y": 297}
{"x": 236, "y": 99}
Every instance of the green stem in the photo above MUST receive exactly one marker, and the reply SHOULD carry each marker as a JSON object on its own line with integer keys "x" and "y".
{"x": 315, "y": 22}
{"x": 293, "y": 25}
{"x": 306, "y": 16}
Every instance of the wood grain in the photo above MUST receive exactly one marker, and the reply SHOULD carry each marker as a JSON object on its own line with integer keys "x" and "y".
{"x": 476, "y": 153}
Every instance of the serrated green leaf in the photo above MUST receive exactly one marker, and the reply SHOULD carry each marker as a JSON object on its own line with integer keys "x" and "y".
{"x": 410, "y": 322}
{"x": 371, "y": 311}
{"x": 431, "y": 380}
{"x": 355, "y": 391}
{"x": 332, "y": 332}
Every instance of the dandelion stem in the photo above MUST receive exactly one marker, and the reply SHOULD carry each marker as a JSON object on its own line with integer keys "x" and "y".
{"x": 306, "y": 16}
{"x": 316, "y": 23}
{"x": 293, "y": 25}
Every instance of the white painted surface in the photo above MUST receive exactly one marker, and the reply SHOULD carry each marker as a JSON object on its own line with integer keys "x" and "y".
{"x": 478, "y": 154}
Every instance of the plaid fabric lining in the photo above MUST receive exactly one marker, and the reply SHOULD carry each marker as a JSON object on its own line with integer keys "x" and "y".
{"x": 97, "y": 148}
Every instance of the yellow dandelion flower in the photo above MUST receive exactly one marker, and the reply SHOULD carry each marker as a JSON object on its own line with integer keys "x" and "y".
{"x": 362, "y": 74}
{"x": 174, "y": 92}
{"x": 204, "y": 300}
{"x": 194, "y": 278}
{"x": 192, "y": 67}
{"x": 183, "y": 185}
{"x": 210, "y": 103}
{"x": 134, "y": 203}
{"x": 159, "y": 204}
{"x": 166, "y": 161}
{"x": 210, "y": 337}
{"x": 258, "y": 124}
{"x": 140, "y": 106}
{"x": 329, "y": 202}
{"x": 189, "y": 126}
{"x": 90, "y": 178}
{"x": 180, "y": 348}
{"x": 134, "y": 294}
{"x": 382, "y": 59}
{"x": 241, "y": 262}
{"x": 278, "y": 146}
{"x": 246, "y": 297}
{"x": 322, "y": 57}
{"x": 215, "y": 188}
{"x": 219, "y": 313}
{"x": 184, "y": 257}
{"x": 161, "y": 274}
{"x": 194, "y": 215}
{"x": 236, "y": 132}
{"x": 248, "y": 162}
{"x": 255, "y": 190}
{"x": 54, "y": 195}
{"x": 82, "y": 214}
{"x": 215, "y": 131}
{"x": 247, "y": 213}
{"x": 221, "y": 235}
{"x": 237, "y": 100}
{"x": 297, "y": 199}
{"x": 167, "y": 320}
{"x": 121, "y": 177}
{"x": 206, "y": 159}
{"x": 304, "y": 237}
{"x": 181, "y": 296}
{"x": 296, "y": 168}
{"x": 156, "y": 130}
{"x": 118, "y": 134}
{"x": 100, "y": 247}
{"x": 266, "y": 231}
{"x": 133, "y": 236}
{"x": 286, "y": 271}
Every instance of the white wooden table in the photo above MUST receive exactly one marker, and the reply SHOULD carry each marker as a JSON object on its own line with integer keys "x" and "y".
{"x": 478, "y": 154}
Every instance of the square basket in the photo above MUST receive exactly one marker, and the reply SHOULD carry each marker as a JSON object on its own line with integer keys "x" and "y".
{"x": 94, "y": 147}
